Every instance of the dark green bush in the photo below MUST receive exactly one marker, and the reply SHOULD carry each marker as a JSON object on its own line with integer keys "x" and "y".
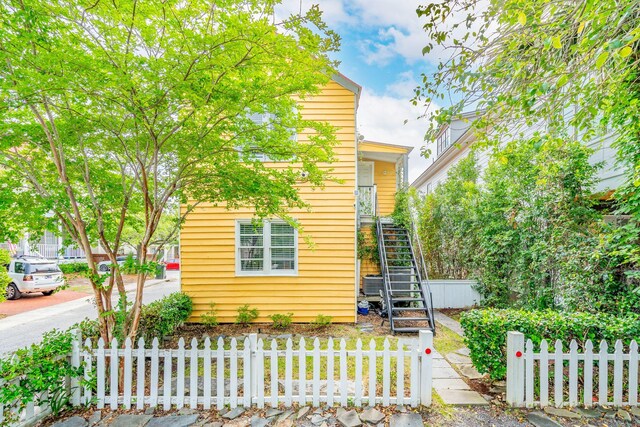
{"x": 164, "y": 316}
{"x": 158, "y": 319}
{"x": 486, "y": 332}
{"x": 74, "y": 267}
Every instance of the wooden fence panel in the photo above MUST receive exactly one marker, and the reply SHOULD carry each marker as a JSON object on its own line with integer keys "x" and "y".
{"x": 137, "y": 376}
{"x": 574, "y": 373}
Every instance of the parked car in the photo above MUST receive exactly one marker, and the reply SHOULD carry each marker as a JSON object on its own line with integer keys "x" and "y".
{"x": 173, "y": 264}
{"x": 105, "y": 266}
{"x": 33, "y": 274}
{"x": 72, "y": 259}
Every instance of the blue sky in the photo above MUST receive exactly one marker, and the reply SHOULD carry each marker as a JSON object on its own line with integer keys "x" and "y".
{"x": 382, "y": 43}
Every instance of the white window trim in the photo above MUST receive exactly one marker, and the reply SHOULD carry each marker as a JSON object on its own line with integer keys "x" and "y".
{"x": 267, "y": 251}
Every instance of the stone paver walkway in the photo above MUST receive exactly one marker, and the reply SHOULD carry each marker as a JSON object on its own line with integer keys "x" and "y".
{"x": 447, "y": 382}
{"x": 447, "y": 321}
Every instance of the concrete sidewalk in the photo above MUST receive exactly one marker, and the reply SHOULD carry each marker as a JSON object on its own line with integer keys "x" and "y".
{"x": 27, "y": 328}
{"x": 51, "y": 311}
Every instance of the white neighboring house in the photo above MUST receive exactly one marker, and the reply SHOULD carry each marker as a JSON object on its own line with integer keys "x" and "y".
{"x": 454, "y": 140}
{"x": 49, "y": 246}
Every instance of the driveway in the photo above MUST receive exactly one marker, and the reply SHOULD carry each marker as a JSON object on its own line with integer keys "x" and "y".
{"x": 23, "y": 329}
{"x": 30, "y": 302}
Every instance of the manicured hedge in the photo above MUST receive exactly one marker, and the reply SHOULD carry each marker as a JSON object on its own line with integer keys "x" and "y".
{"x": 486, "y": 332}
{"x": 74, "y": 267}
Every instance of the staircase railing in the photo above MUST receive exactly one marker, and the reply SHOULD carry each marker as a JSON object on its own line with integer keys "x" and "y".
{"x": 421, "y": 263}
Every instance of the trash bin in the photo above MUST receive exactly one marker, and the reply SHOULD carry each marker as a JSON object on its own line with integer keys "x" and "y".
{"x": 161, "y": 271}
{"x": 363, "y": 307}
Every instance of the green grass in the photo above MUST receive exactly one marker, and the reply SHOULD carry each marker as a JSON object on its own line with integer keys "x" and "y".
{"x": 446, "y": 340}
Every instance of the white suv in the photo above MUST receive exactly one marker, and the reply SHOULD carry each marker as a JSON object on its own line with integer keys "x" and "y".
{"x": 31, "y": 274}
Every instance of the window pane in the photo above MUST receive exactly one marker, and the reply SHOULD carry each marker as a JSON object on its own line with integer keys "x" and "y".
{"x": 281, "y": 241}
{"x": 251, "y": 253}
{"x": 282, "y": 235}
{"x": 250, "y": 229}
{"x": 277, "y": 228}
{"x": 251, "y": 241}
{"x": 283, "y": 265}
{"x": 252, "y": 265}
{"x": 251, "y": 259}
{"x": 283, "y": 253}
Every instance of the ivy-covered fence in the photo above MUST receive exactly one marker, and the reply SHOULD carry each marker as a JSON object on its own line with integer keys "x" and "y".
{"x": 41, "y": 380}
{"x": 48, "y": 377}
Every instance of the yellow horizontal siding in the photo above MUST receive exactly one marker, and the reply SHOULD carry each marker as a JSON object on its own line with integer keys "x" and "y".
{"x": 326, "y": 280}
{"x": 367, "y": 266}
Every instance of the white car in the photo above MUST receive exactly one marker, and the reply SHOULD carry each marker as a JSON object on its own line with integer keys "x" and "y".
{"x": 33, "y": 274}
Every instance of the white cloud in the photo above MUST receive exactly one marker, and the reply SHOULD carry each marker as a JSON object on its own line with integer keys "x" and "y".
{"x": 396, "y": 30}
{"x": 381, "y": 118}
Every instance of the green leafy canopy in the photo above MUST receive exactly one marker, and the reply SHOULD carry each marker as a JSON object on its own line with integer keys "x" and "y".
{"x": 112, "y": 113}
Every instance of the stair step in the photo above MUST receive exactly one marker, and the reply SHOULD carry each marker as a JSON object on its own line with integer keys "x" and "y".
{"x": 403, "y": 299}
{"x": 412, "y": 319}
{"x": 409, "y": 329}
{"x": 408, "y": 309}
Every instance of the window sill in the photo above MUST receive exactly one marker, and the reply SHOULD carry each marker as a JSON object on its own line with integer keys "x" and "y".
{"x": 263, "y": 274}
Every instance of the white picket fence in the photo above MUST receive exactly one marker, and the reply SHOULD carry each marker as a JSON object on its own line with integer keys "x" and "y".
{"x": 205, "y": 376}
{"x": 30, "y": 414}
{"x": 575, "y": 375}
{"x": 272, "y": 373}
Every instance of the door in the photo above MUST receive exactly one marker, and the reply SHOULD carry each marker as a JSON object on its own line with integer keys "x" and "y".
{"x": 365, "y": 174}
{"x": 366, "y": 191}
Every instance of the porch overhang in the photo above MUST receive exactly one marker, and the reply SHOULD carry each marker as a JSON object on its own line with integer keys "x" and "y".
{"x": 383, "y": 152}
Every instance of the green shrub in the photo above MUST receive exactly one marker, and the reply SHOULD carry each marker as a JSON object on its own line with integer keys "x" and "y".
{"x": 163, "y": 317}
{"x": 401, "y": 215}
{"x": 74, "y": 267}
{"x": 246, "y": 315}
{"x": 486, "y": 332}
{"x": 281, "y": 321}
{"x": 5, "y": 259}
{"x": 157, "y": 319}
{"x": 89, "y": 328}
{"x": 210, "y": 318}
{"x": 322, "y": 321}
{"x": 40, "y": 367}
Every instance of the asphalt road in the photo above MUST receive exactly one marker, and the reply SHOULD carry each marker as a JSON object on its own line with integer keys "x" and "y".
{"x": 27, "y": 328}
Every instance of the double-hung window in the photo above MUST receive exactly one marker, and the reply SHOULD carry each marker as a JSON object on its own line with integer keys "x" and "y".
{"x": 269, "y": 248}
{"x": 267, "y": 121}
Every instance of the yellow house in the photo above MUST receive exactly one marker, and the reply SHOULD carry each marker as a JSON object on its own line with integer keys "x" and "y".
{"x": 228, "y": 261}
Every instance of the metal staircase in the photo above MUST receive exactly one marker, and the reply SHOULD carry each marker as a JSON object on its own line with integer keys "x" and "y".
{"x": 407, "y": 296}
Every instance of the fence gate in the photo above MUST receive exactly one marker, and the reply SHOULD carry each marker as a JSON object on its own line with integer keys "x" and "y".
{"x": 577, "y": 377}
